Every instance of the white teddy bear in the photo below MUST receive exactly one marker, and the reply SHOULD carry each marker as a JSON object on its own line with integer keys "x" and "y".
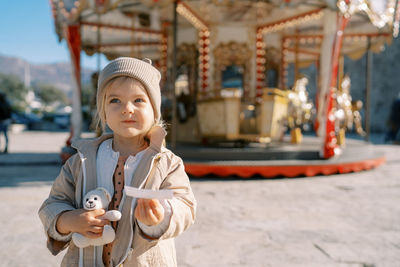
{"x": 98, "y": 199}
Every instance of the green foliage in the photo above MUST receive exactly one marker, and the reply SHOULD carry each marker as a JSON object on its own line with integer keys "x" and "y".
{"x": 15, "y": 91}
{"x": 87, "y": 95}
{"x": 50, "y": 94}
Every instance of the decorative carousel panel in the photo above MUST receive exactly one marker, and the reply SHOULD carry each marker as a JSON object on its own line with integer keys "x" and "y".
{"x": 272, "y": 113}
{"x": 219, "y": 117}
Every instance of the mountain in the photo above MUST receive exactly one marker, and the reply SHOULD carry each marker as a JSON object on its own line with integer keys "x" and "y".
{"x": 57, "y": 74}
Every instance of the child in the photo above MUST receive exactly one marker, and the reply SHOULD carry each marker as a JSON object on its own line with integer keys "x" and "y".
{"x": 128, "y": 101}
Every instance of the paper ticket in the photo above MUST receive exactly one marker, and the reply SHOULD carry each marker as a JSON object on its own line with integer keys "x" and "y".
{"x": 148, "y": 193}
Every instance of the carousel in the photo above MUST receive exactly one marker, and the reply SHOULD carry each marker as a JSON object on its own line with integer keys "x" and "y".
{"x": 233, "y": 92}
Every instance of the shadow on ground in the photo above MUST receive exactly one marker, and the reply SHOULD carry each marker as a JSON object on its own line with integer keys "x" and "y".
{"x": 26, "y": 169}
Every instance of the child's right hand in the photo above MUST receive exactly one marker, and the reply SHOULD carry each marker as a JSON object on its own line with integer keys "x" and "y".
{"x": 85, "y": 222}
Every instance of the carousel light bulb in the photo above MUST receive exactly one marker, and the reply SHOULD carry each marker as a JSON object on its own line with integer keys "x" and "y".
{"x": 363, "y": 7}
{"x": 342, "y": 4}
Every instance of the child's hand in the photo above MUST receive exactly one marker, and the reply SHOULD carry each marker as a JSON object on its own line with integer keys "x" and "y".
{"x": 149, "y": 211}
{"x": 82, "y": 221}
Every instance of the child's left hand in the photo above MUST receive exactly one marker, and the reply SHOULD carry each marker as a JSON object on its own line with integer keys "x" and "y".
{"x": 149, "y": 211}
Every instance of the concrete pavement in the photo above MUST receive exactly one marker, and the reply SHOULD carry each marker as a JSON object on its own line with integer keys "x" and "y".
{"x": 339, "y": 220}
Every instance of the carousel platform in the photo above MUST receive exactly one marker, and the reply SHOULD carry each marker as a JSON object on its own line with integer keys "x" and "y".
{"x": 277, "y": 160}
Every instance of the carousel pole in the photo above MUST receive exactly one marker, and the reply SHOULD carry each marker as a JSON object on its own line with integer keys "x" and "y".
{"x": 173, "y": 76}
{"x": 340, "y": 72}
{"x": 317, "y": 83}
{"x": 73, "y": 38}
{"x": 333, "y": 37}
{"x": 368, "y": 91}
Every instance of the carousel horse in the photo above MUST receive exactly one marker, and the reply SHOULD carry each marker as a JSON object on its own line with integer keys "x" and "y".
{"x": 347, "y": 112}
{"x": 300, "y": 109}
{"x": 356, "y": 107}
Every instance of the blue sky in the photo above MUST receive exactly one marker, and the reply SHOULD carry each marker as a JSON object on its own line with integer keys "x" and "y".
{"x": 27, "y": 31}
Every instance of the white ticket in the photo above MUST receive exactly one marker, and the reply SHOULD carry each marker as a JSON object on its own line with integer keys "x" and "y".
{"x": 148, "y": 193}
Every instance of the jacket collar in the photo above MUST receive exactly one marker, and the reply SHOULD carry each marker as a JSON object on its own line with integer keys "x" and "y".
{"x": 156, "y": 136}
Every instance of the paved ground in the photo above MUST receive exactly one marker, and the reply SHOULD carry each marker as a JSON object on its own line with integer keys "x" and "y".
{"x": 339, "y": 220}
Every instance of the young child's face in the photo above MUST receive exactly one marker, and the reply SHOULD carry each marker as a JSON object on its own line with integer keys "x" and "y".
{"x": 128, "y": 109}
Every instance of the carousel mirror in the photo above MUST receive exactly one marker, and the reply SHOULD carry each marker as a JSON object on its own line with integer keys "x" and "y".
{"x": 182, "y": 93}
{"x": 185, "y": 84}
{"x": 272, "y": 78}
{"x": 232, "y": 77}
{"x": 272, "y": 61}
{"x": 232, "y": 69}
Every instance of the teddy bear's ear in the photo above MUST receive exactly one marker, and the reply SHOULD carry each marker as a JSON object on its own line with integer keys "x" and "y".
{"x": 106, "y": 194}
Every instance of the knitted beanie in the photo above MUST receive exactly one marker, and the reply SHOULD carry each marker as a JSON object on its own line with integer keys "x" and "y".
{"x": 141, "y": 70}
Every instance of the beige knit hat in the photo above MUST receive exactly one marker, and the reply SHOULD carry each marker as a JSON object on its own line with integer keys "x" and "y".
{"x": 141, "y": 70}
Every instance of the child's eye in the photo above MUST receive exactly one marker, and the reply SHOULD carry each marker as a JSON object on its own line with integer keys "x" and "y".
{"x": 139, "y": 100}
{"x": 115, "y": 100}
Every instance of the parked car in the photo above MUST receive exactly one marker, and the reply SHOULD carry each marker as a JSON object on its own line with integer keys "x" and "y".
{"x": 62, "y": 120}
{"x": 29, "y": 119}
{"x": 59, "y": 119}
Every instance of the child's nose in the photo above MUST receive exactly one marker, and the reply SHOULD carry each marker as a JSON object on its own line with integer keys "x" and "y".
{"x": 128, "y": 108}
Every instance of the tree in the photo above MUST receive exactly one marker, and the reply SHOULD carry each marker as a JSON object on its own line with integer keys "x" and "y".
{"x": 50, "y": 94}
{"x": 15, "y": 91}
{"x": 87, "y": 95}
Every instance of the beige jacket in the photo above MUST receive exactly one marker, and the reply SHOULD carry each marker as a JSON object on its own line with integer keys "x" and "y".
{"x": 158, "y": 169}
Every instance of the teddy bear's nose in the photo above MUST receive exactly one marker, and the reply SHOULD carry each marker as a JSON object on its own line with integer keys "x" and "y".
{"x": 90, "y": 201}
